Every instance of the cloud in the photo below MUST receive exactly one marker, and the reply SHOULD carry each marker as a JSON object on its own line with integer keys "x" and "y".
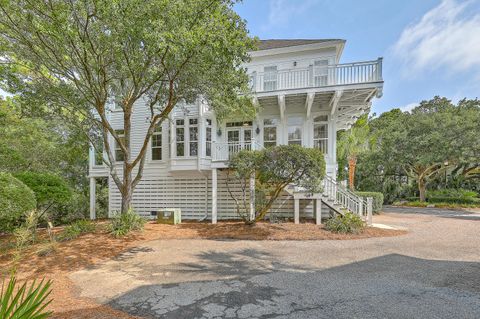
{"x": 447, "y": 37}
{"x": 408, "y": 107}
{"x": 282, "y": 11}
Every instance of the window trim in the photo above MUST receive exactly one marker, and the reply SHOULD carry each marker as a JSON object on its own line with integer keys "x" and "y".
{"x": 186, "y": 136}
{"x": 208, "y": 142}
{"x": 327, "y": 123}
{"x": 301, "y": 129}
{"x": 157, "y": 133}
{"x": 276, "y": 126}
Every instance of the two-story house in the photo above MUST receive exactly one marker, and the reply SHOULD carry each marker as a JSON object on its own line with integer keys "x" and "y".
{"x": 305, "y": 95}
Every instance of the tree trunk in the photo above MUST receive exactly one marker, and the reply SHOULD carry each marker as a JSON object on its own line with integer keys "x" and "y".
{"x": 422, "y": 188}
{"x": 352, "y": 163}
{"x": 127, "y": 191}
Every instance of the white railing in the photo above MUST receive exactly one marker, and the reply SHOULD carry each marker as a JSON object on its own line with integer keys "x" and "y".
{"x": 224, "y": 151}
{"x": 318, "y": 76}
{"x": 347, "y": 199}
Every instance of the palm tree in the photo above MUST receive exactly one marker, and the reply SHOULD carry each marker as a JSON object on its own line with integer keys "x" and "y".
{"x": 352, "y": 143}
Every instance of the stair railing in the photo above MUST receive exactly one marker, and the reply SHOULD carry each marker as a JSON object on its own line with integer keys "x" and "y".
{"x": 344, "y": 197}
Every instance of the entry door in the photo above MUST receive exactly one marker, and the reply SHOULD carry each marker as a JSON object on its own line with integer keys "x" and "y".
{"x": 239, "y": 138}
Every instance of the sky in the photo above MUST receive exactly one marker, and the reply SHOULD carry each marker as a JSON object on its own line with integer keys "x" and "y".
{"x": 430, "y": 47}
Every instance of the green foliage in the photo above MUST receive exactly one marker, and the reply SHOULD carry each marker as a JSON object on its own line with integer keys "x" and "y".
{"x": 51, "y": 191}
{"x": 26, "y": 234}
{"x": 452, "y": 193}
{"x": 122, "y": 224}
{"x": 155, "y": 51}
{"x": 274, "y": 168}
{"x": 15, "y": 200}
{"x": 377, "y": 200}
{"x": 346, "y": 224}
{"x": 25, "y": 302}
{"x": 76, "y": 229}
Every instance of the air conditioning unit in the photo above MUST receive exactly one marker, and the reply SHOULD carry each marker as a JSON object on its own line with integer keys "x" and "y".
{"x": 171, "y": 216}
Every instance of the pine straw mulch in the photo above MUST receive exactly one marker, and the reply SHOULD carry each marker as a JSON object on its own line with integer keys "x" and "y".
{"x": 89, "y": 249}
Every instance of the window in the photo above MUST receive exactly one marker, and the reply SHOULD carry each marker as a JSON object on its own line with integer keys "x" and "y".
{"x": 193, "y": 135}
{"x": 294, "y": 130}
{"x": 180, "y": 134}
{"x": 98, "y": 149}
{"x": 119, "y": 156}
{"x": 320, "y": 72}
{"x": 157, "y": 143}
{"x": 270, "y": 78}
{"x": 208, "y": 138}
{"x": 270, "y": 132}
{"x": 320, "y": 133}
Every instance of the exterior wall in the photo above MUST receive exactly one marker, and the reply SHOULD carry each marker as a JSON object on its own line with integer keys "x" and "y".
{"x": 191, "y": 192}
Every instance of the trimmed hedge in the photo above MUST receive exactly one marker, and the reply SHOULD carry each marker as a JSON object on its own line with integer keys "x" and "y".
{"x": 448, "y": 200}
{"x": 15, "y": 200}
{"x": 377, "y": 200}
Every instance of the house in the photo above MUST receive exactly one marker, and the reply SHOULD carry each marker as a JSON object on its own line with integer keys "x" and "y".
{"x": 305, "y": 96}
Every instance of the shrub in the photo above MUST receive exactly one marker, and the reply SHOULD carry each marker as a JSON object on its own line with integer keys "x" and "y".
{"x": 23, "y": 302}
{"x": 122, "y": 224}
{"x": 451, "y": 193}
{"x": 349, "y": 223}
{"x": 76, "y": 229}
{"x": 15, "y": 200}
{"x": 51, "y": 191}
{"x": 377, "y": 200}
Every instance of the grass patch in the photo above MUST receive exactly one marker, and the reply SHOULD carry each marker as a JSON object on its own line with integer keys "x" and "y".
{"x": 438, "y": 205}
{"x": 76, "y": 229}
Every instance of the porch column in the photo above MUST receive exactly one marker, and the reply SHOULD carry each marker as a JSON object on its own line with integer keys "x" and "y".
{"x": 318, "y": 211}
{"x": 252, "y": 196}
{"x": 93, "y": 187}
{"x": 214, "y": 196}
{"x": 296, "y": 204}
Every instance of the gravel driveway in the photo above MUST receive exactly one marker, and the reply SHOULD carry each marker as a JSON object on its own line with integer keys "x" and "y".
{"x": 432, "y": 272}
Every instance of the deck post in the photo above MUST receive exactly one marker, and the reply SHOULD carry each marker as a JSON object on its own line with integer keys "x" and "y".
{"x": 214, "y": 196}
{"x": 93, "y": 187}
{"x": 296, "y": 203}
{"x": 252, "y": 197}
{"x": 369, "y": 210}
{"x": 318, "y": 211}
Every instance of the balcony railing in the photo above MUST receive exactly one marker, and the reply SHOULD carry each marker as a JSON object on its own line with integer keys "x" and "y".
{"x": 318, "y": 76}
{"x": 225, "y": 151}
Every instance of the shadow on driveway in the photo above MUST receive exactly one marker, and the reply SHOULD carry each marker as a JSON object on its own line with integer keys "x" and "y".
{"x": 256, "y": 285}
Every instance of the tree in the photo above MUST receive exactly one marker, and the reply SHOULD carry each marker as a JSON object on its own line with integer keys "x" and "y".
{"x": 353, "y": 143}
{"x": 274, "y": 169}
{"x": 80, "y": 57}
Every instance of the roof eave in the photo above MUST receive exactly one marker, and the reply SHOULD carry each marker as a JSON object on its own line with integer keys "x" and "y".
{"x": 304, "y": 47}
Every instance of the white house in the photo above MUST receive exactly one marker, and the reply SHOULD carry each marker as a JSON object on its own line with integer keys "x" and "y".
{"x": 305, "y": 96}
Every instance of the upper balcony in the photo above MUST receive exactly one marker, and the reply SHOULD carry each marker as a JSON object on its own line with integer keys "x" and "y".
{"x": 316, "y": 76}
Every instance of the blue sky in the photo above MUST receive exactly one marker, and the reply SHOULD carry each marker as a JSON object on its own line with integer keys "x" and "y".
{"x": 430, "y": 47}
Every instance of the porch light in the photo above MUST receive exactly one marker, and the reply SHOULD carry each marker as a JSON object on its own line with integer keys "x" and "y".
{"x": 257, "y": 130}
{"x": 219, "y": 132}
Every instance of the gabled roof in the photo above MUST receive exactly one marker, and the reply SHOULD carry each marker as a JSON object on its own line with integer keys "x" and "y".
{"x": 282, "y": 43}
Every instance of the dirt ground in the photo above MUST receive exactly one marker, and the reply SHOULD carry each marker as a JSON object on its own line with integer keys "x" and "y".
{"x": 90, "y": 249}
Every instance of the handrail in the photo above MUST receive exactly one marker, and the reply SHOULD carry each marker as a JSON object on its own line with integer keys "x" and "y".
{"x": 318, "y": 76}
{"x": 225, "y": 150}
{"x": 344, "y": 197}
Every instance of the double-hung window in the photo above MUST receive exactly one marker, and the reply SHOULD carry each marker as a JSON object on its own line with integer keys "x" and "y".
{"x": 157, "y": 143}
{"x": 208, "y": 138}
{"x": 295, "y": 130}
{"x": 180, "y": 137}
{"x": 270, "y": 78}
{"x": 270, "y": 132}
{"x": 320, "y": 133}
{"x": 193, "y": 136}
{"x": 119, "y": 156}
{"x": 320, "y": 72}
